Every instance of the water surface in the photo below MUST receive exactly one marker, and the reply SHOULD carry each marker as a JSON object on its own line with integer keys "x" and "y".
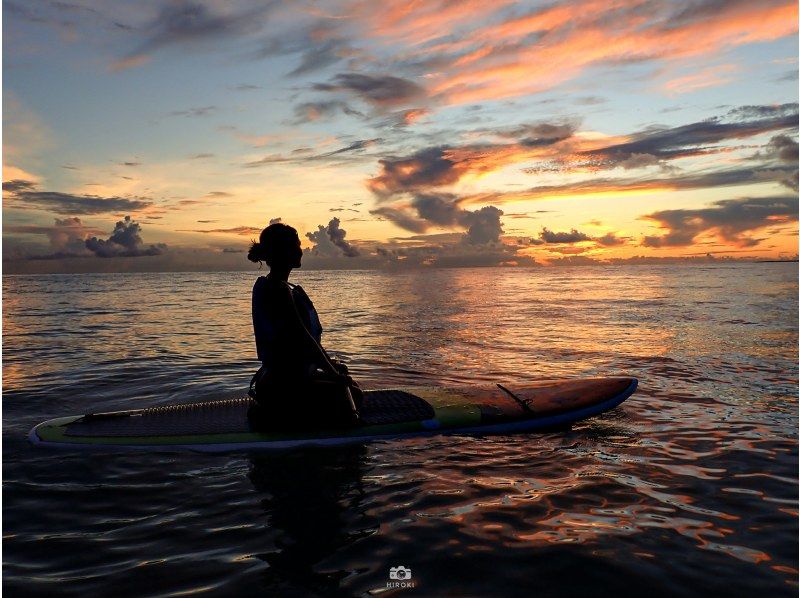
{"x": 688, "y": 488}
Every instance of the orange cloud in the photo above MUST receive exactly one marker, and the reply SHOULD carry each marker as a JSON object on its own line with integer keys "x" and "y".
{"x": 419, "y": 21}
{"x": 441, "y": 166}
{"x": 710, "y": 77}
{"x": 537, "y": 51}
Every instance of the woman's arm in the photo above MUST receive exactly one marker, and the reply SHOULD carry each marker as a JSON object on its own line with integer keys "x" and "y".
{"x": 297, "y": 329}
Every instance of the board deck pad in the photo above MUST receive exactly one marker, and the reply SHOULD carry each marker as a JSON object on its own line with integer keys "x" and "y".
{"x": 223, "y": 425}
{"x": 230, "y": 416}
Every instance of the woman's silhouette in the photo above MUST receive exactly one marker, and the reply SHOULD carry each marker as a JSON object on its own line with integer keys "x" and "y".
{"x": 298, "y": 383}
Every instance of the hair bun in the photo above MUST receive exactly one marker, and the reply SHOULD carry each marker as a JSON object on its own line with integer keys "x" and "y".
{"x": 256, "y": 253}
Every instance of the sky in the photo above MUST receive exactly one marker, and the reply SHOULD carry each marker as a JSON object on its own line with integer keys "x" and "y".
{"x": 165, "y": 134}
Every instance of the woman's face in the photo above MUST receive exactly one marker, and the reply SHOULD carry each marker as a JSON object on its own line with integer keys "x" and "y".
{"x": 296, "y": 254}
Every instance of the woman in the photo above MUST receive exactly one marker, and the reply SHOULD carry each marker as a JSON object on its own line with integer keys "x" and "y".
{"x": 298, "y": 383}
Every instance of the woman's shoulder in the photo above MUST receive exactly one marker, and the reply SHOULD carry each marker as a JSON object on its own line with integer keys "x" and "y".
{"x": 265, "y": 286}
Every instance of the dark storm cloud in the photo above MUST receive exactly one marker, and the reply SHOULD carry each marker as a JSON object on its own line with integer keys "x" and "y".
{"x": 765, "y": 111}
{"x": 17, "y": 185}
{"x": 691, "y": 139}
{"x": 425, "y": 168}
{"x": 572, "y": 236}
{"x": 783, "y": 148}
{"x": 445, "y": 165}
{"x": 125, "y": 241}
{"x": 722, "y": 178}
{"x": 329, "y": 241}
{"x": 25, "y": 196}
{"x": 380, "y": 91}
{"x": 402, "y": 218}
{"x": 609, "y": 240}
{"x": 441, "y": 209}
{"x": 483, "y": 225}
{"x": 731, "y": 219}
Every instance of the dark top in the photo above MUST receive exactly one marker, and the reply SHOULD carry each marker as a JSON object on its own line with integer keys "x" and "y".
{"x": 282, "y": 346}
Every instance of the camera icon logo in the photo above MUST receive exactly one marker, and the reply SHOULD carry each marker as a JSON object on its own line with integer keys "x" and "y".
{"x": 400, "y": 573}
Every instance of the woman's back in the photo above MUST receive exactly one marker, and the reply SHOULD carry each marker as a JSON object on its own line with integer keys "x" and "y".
{"x": 279, "y": 341}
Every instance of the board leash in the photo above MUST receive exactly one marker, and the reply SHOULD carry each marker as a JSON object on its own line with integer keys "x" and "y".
{"x": 524, "y": 404}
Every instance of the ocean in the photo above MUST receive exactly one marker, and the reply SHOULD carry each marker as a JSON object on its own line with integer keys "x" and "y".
{"x": 689, "y": 488}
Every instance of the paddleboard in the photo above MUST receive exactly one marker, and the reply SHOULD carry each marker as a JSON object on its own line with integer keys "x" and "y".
{"x": 223, "y": 425}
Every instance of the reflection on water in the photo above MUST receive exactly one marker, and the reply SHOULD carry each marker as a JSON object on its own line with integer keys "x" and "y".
{"x": 690, "y": 487}
{"x": 309, "y": 499}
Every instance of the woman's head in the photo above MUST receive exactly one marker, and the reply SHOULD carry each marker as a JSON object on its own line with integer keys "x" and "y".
{"x": 278, "y": 245}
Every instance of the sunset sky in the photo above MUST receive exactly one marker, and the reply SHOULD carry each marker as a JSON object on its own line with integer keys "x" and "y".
{"x": 165, "y": 134}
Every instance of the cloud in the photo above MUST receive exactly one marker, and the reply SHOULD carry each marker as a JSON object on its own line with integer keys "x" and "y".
{"x": 402, "y": 218}
{"x": 125, "y": 241}
{"x": 782, "y": 148}
{"x": 246, "y": 231}
{"x": 195, "y": 112}
{"x": 187, "y": 22}
{"x": 536, "y": 50}
{"x": 25, "y": 196}
{"x": 380, "y": 91}
{"x": 609, "y": 240}
{"x": 17, "y": 185}
{"x": 446, "y": 165}
{"x": 729, "y": 219}
{"x": 482, "y": 226}
{"x": 447, "y": 251}
{"x": 65, "y": 17}
{"x": 702, "y": 180}
{"x": 353, "y": 151}
{"x": 409, "y": 117}
{"x": 321, "y": 54}
{"x": 317, "y": 111}
{"x": 709, "y": 77}
{"x": 329, "y": 241}
{"x": 763, "y": 111}
{"x": 66, "y": 236}
{"x": 70, "y": 237}
{"x": 246, "y": 87}
{"x": 538, "y": 134}
{"x": 425, "y": 168}
{"x": 572, "y": 236}
{"x": 318, "y": 44}
{"x": 656, "y": 144}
